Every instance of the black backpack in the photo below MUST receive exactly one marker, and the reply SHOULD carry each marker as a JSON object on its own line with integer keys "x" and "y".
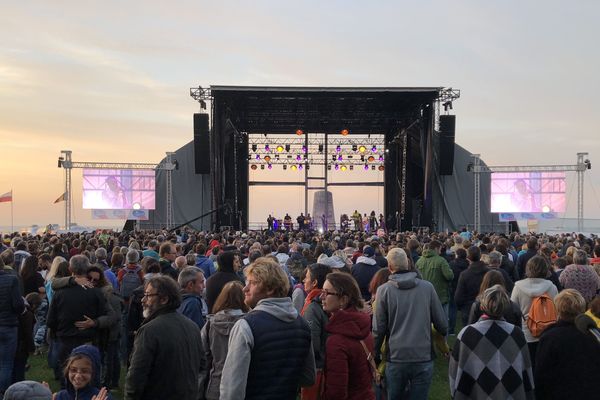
{"x": 131, "y": 281}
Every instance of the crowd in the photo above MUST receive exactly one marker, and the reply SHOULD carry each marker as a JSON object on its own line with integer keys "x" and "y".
{"x": 281, "y": 314}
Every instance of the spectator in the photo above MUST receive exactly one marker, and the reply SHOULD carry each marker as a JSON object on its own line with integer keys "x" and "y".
{"x": 191, "y": 282}
{"x": 469, "y": 283}
{"x": 364, "y": 270}
{"x": 28, "y": 390}
{"x": 82, "y": 370}
{"x": 32, "y": 280}
{"x": 581, "y": 277}
{"x": 435, "y": 269}
{"x": 511, "y": 314}
{"x": 168, "y": 254}
{"x": 532, "y": 248}
{"x": 495, "y": 263}
{"x": 11, "y": 306}
{"x": 230, "y": 264}
{"x": 458, "y": 265}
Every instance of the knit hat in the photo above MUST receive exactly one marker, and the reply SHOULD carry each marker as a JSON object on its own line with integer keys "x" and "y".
{"x": 333, "y": 261}
{"x": 27, "y": 390}
{"x": 368, "y": 251}
{"x": 133, "y": 256}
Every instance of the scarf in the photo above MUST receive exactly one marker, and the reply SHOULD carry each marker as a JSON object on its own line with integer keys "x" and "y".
{"x": 311, "y": 296}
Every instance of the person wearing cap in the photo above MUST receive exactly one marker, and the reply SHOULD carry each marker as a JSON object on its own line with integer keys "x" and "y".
{"x": 28, "y": 390}
{"x": 363, "y": 271}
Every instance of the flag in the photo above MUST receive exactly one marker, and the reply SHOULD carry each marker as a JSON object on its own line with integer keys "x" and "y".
{"x": 6, "y": 197}
{"x": 62, "y": 197}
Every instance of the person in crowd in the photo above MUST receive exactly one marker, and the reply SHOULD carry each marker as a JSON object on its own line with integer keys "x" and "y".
{"x": 58, "y": 269}
{"x": 101, "y": 256}
{"x": 511, "y": 314}
{"x": 349, "y": 346}
{"x": 82, "y": 370}
{"x": 457, "y": 265}
{"x": 230, "y": 264}
{"x": 469, "y": 283}
{"x": 317, "y": 319}
{"x": 152, "y": 250}
{"x": 364, "y": 270}
{"x": 44, "y": 262}
{"x": 167, "y": 347}
{"x": 435, "y": 269}
{"x": 72, "y": 304}
{"x": 532, "y": 249}
{"x": 581, "y": 277}
{"x": 191, "y": 282}
{"x": 28, "y": 390}
{"x": 405, "y": 308}
{"x": 525, "y": 290}
{"x": 32, "y": 280}
{"x": 567, "y": 360}
{"x": 168, "y": 254}
{"x": 490, "y": 359}
{"x": 204, "y": 262}
{"x": 25, "y": 344}
{"x": 594, "y": 310}
{"x": 381, "y": 277}
{"x": 228, "y": 308}
{"x": 270, "y": 352}
{"x": 494, "y": 263}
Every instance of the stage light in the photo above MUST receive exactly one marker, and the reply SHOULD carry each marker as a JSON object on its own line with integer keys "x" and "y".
{"x": 300, "y": 167}
{"x": 381, "y": 167}
{"x": 254, "y": 147}
{"x": 299, "y": 132}
{"x": 304, "y": 149}
{"x": 321, "y": 230}
{"x": 387, "y": 150}
{"x": 136, "y": 206}
{"x": 337, "y": 167}
{"x": 545, "y": 208}
{"x": 338, "y": 148}
{"x": 293, "y": 168}
{"x": 354, "y": 147}
{"x": 269, "y": 166}
{"x": 254, "y": 167}
{"x": 374, "y": 149}
{"x": 351, "y": 167}
{"x": 277, "y": 156}
{"x": 366, "y": 167}
{"x": 267, "y": 148}
{"x": 258, "y": 156}
{"x": 340, "y": 157}
{"x": 287, "y": 148}
{"x": 334, "y": 157}
{"x": 362, "y": 158}
{"x": 343, "y": 168}
{"x": 280, "y": 148}
{"x": 267, "y": 158}
{"x": 344, "y": 132}
{"x": 284, "y": 167}
{"x": 298, "y": 157}
{"x": 371, "y": 159}
{"x": 320, "y": 148}
{"x": 381, "y": 157}
{"x": 329, "y": 167}
{"x": 362, "y": 149}
{"x": 373, "y": 167}
{"x": 262, "y": 166}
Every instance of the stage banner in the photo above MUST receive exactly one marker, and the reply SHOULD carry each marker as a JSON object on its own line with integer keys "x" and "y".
{"x": 138, "y": 215}
{"x": 505, "y": 217}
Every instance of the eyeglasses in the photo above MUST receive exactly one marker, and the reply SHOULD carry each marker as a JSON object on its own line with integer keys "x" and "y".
{"x": 325, "y": 293}
{"x": 74, "y": 371}
{"x": 146, "y": 295}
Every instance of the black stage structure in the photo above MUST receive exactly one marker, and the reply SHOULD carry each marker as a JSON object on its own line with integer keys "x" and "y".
{"x": 407, "y": 117}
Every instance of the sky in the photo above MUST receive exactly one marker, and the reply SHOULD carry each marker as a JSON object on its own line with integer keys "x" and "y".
{"x": 110, "y": 80}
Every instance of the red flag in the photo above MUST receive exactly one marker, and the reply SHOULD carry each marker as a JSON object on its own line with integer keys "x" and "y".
{"x": 6, "y": 197}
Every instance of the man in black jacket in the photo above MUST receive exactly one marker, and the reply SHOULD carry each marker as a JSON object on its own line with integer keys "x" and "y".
{"x": 11, "y": 306}
{"x": 532, "y": 248}
{"x": 75, "y": 304}
{"x": 469, "y": 282}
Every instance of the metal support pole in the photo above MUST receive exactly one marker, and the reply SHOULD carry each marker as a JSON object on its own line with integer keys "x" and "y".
{"x": 169, "y": 191}
{"x": 67, "y": 164}
{"x": 476, "y": 191}
{"x": 581, "y": 166}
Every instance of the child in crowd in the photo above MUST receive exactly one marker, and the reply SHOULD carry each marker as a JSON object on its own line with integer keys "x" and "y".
{"x": 82, "y": 371}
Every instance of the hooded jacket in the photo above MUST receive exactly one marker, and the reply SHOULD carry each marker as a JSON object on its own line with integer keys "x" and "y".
{"x": 86, "y": 393}
{"x": 241, "y": 343}
{"x": 347, "y": 370}
{"x": 468, "y": 285}
{"x": 405, "y": 308}
{"x": 363, "y": 271}
{"x": 317, "y": 321}
{"x": 191, "y": 307}
{"x": 435, "y": 269}
{"x": 524, "y": 292}
{"x": 215, "y": 338}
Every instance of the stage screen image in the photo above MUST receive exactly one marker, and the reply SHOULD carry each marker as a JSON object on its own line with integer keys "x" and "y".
{"x": 120, "y": 189}
{"x": 538, "y": 192}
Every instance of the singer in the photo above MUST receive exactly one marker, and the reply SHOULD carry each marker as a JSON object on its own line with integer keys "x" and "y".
{"x": 567, "y": 360}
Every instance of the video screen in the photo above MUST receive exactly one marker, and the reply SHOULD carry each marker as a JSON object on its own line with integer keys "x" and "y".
{"x": 119, "y": 189}
{"x": 538, "y": 192}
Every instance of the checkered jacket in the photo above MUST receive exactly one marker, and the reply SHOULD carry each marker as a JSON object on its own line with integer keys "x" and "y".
{"x": 490, "y": 360}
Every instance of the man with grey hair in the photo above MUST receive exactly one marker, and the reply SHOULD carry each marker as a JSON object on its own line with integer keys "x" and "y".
{"x": 406, "y": 306}
{"x": 191, "y": 281}
{"x": 72, "y": 304}
{"x": 494, "y": 263}
{"x": 108, "y": 274}
{"x": 180, "y": 263}
{"x": 580, "y": 276}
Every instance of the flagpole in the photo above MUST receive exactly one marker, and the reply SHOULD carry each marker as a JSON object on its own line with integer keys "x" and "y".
{"x": 12, "y": 222}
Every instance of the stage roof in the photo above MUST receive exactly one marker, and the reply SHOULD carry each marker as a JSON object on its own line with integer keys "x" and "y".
{"x": 361, "y": 110}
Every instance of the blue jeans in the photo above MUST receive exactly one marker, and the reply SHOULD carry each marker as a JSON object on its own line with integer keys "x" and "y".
{"x": 8, "y": 349}
{"x": 408, "y": 380}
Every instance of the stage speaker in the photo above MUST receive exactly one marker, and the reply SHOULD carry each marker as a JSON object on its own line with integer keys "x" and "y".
{"x": 447, "y": 125}
{"x": 201, "y": 144}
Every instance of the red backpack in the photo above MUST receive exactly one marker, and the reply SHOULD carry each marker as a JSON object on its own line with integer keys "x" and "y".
{"x": 542, "y": 314}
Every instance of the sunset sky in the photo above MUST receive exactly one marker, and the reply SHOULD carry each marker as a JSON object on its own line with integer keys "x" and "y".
{"x": 110, "y": 80}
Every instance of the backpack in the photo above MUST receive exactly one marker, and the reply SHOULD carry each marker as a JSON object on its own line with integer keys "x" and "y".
{"x": 131, "y": 281}
{"x": 542, "y": 314}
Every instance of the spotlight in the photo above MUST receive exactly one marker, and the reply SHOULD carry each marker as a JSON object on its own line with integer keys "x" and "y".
{"x": 299, "y": 132}
{"x": 366, "y": 167}
{"x": 374, "y": 149}
{"x": 307, "y": 166}
{"x": 387, "y": 150}
{"x": 268, "y": 158}
{"x": 254, "y": 167}
{"x": 287, "y": 148}
{"x": 293, "y": 167}
{"x": 277, "y": 156}
{"x": 351, "y": 167}
{"x": 362, "y": 149}
{"x": 371, "y": 159}
{"x": 320, "y": 148}
{"x": 381, "y": 167}
{"x": 337, "y": 167}
{"x": 267, "y": 148}
{"x": 254, "y": 147}
{"x": 329, "y": 167}
{"x": 300, "y": 167}
{"x": 269, "y": 166}
{"x": 354, "y": 147}
{"x": 258, "y": 156}
{"x": 334, "y": 157}
{"x": 373, "y": 167}
{"x": 340, "y": 157}
{"x": 262, "y": 166}
{"x": 304, "y": 149}
{"x": 545, "y": 208}
{"x": 381, "y": 157}
{"x": 298, "y": 157}
{"x": 344, "y": 132}
{"x": 280, "y": 148}
{"x": 338, "y": 148}
{"x": 343, "y": 168}
{"x": 362, "y": 158}
{"x": 137, "y": 206}
{"x": 284, "y": 167}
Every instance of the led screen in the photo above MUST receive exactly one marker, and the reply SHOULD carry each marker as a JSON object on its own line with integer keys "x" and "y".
{"x": 118, "y": 189}
{"x": 538, "y": 192}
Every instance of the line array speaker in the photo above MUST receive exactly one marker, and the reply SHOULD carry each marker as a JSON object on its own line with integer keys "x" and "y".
{"x": 201, "y": 144}
{"x": 447, "y": 135}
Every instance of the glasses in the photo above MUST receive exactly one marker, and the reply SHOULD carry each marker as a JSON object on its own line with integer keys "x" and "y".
{"x": 325, "y": 293}
{"x": 79, "y": 371}
{"x": 147, "y": 295}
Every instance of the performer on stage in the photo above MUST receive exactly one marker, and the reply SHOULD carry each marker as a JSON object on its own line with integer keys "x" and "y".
{"x": 287, "y": 222}
{"x": 301, "y": 221}
{"x": 270, "y": 220}
{"x": 308, "y": 221}
{"x": 357, "y": 220}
